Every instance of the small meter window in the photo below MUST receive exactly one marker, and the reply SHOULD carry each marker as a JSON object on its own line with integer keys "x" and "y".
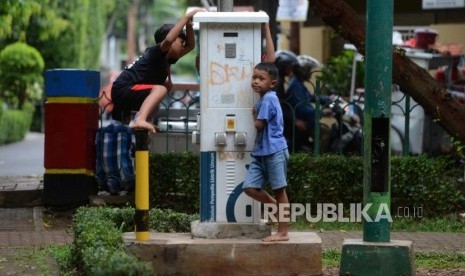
{"x": 228, "y": 34}
{"x": 230, "y": 50}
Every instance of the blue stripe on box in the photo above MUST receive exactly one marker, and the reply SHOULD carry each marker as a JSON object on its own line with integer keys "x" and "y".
{"x": 207, "y": 186}
{"x": 72, "y": 83}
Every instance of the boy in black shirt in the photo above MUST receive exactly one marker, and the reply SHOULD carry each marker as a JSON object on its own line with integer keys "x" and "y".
{"x": 142, "y": 85}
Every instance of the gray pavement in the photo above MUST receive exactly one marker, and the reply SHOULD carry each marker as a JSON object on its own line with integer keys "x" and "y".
{"x": 23, "y": 158}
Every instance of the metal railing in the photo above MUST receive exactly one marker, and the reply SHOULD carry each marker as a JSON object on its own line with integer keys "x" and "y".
{"x": 176, "y": 119}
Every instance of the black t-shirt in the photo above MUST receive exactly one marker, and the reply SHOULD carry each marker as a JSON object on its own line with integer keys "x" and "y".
{"x": 150, "y": 68}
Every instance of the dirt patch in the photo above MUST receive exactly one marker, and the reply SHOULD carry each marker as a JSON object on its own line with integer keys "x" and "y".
{"x": 57, "y": 220}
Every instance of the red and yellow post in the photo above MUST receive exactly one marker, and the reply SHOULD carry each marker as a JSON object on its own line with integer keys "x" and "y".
{"x": 142, "y": 186}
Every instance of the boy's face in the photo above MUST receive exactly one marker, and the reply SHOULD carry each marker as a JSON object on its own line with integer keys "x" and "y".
{"x": 176, "y": 49}
{"x": 262, "y": 82}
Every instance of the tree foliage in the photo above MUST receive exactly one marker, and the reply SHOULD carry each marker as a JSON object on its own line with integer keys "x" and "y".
{"x": 68, "y": 33}
{"x": 14, "y": 18}
{"x": 78, "y": 42}
{"x": 336, "y": 74}
{"x": 21, "y": 69}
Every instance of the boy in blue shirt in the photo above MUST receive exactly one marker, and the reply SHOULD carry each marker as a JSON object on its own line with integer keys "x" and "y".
{"x": 270, "y": 154}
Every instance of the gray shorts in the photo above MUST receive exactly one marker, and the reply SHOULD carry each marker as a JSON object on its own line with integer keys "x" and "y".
{"x": 270, "y": 169}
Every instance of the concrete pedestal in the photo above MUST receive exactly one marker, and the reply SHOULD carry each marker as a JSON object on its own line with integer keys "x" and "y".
{"x": 377, "y": 258}
{"x": 218, "y": 230}
{"x": 172, "y": 253}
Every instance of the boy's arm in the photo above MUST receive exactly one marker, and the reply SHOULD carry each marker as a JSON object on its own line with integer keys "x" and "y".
{"x": 270, "y": 52}
{"x": 177, "y": 29}
{"x": 259, "y": 124}
{"x": 190, "y": 38}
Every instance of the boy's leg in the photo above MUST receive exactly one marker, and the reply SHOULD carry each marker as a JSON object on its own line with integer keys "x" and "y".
{"x": 259, "y": 195}
{"x": 254, "y": 182}
{"x": 282, "y": 233}
{"x": 148, "y": 106}
{"x": 277, "y": 173}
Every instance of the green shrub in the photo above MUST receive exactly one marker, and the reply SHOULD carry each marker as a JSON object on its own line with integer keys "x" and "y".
{"x": 119, "y": 263}
{"x": 328, "y": 179}
{"x": 168, "y": 220}
{"x": 21, "y": 68}
{"x": 14, "y": 125}
{"x": 417, "y": 181}
{"x": 174, "y": 181}
{"x": 430, "y": 183}
{"x": 98, "y": 247}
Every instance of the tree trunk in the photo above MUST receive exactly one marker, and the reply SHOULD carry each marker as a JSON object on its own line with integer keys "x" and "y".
{"x": 412, "y": 79}
{"x": 22, "y": 95}
{"x": 294, "y": 40}
{"x": 131, "y": 32}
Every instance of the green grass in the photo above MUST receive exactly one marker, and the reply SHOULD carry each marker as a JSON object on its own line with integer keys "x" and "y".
{"x": 332, "y": 258}
{"x": 440, "y": 260}
{"x": 26, "y": 260}
{"x": 62, "y": 254}
{"x": 451, "y": 223}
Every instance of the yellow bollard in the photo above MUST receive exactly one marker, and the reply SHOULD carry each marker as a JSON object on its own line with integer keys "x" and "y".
{"x": 142, "y": 186}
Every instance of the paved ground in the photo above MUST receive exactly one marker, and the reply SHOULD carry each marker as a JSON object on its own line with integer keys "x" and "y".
{"x": 25, "y": 227}
{"x": 23, "y": 158}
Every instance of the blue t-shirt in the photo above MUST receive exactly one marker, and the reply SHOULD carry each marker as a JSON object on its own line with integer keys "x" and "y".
{"x": 271, "y": 138}
{"x": 301, "y": 100}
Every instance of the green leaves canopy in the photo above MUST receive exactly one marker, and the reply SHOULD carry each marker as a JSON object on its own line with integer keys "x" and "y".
{"x": 21, "y": 68}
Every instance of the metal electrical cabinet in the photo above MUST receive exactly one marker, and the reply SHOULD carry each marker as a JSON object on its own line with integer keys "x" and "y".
{"x": 230, "y": 47}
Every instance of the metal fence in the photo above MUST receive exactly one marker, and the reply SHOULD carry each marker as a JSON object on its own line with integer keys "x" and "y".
{"x": 412, "y": 132}
{"x": 176, "y": 119}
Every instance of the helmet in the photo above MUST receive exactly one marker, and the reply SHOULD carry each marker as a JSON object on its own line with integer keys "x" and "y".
{"x": 285, "y": 60}
{"x": 304, "y": 67}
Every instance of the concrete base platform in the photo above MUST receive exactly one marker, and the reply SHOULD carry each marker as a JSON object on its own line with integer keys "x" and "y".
{"x": 172, "y": 253}
{"x": 377, "y": 258}
{"x": 218, "y": 230}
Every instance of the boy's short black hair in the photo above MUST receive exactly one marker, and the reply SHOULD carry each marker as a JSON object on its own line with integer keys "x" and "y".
{"x": 161, "y": 33}
{"x": 270, "y": 68}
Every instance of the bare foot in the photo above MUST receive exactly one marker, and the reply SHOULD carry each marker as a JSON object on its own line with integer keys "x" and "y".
{"x": 276, "y": 237}
{"x": 141, "y": 124}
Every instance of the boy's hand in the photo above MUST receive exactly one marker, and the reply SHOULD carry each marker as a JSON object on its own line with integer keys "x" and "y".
{"x": 193, "y": 12}
{"x": 254, "y": 113}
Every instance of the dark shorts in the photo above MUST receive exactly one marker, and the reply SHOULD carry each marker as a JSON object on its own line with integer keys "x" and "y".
{"x": 127, "y": 99}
